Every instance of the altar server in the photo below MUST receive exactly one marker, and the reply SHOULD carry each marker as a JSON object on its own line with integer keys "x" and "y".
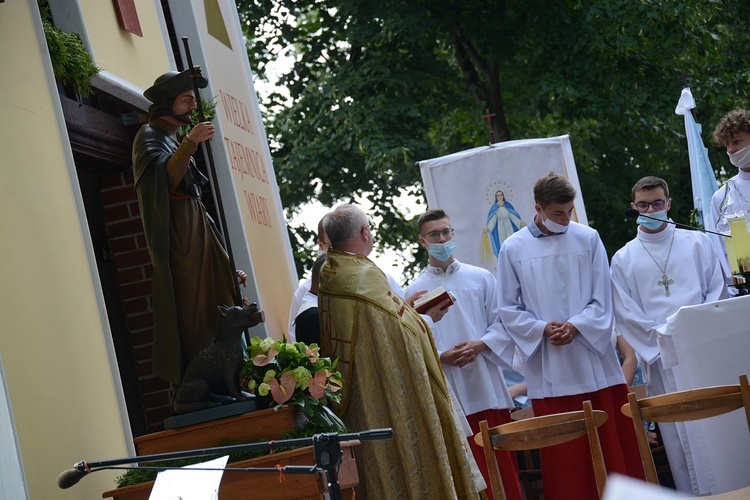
{"x": 555, "y": 299}
{"x": 660, "y": 270}
{"x": 733, "y": 198}
{"x": 468, "y": 340}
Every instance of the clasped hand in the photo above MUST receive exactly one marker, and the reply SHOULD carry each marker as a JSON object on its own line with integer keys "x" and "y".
{"x": 463, "y": 353}
{"x": 560, "y": 333}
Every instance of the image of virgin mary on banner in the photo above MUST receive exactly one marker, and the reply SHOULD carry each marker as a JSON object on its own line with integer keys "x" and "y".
{"x": 502, "y": 221}
{"x": 488, "y": 191}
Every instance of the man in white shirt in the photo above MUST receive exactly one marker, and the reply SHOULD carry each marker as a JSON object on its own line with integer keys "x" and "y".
{"x": 662, "y": 269}
{"x": 467, "y": 338}
{"x": 733, "y": 198}
{"x": 304, "y": 288}
{"x": 555, "y": 298}
{"x": 307, "y": 322}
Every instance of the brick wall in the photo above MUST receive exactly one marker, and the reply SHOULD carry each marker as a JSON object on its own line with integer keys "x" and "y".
{"x": 128, "y": 249}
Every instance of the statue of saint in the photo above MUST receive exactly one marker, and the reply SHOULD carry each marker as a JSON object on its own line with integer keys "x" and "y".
{"x": 192, "y": 273}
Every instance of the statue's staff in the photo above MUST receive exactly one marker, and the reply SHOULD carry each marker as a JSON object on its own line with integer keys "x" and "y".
{"x": 195, "y": 75}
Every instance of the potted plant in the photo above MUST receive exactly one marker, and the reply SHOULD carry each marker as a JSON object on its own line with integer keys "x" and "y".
{"x": 294, "y": 374}
{"x": 71, "y": 61}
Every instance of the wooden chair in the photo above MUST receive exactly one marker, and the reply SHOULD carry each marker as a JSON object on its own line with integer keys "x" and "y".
{"x": 529, "y": 470}
{"x": 639, "y": 390}
{"x": 683, "y": 406}
{"x": 540, "y": 432}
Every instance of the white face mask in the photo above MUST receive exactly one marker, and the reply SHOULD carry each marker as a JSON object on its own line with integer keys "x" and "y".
{"x": 554, "y": 227}
{"x": 741, "y": 159}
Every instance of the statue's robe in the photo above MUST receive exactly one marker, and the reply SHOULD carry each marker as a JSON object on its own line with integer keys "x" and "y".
{"x": 392, "y": 378}
{"x": 192, "y": 274}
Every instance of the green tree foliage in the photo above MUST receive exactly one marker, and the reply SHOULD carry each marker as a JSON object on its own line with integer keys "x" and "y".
{"x": 379, "y": 85}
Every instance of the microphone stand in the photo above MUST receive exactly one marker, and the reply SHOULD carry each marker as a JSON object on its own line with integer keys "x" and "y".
{"x": 326, "y": 452}
{"x": 742, "y": 288}
{"x": 633, "y": 213}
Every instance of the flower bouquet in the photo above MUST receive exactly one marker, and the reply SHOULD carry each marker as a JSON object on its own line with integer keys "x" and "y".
{"x": 279, "y": 372}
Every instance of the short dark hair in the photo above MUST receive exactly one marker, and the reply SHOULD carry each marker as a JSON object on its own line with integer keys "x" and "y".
{"x": 429, "y": 216}
{"x": 649, "y": 182}
{"x": 343, "y": 224}
{"x": 315, "y": 271}
{"x": 553, "y": 188}
{"x": 730, "y": 125}
{"x": 321, "y": 229}
{"x": 159, "y": 109}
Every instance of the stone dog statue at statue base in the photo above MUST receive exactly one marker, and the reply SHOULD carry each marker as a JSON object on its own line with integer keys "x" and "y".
{"x": 215, "y": 371}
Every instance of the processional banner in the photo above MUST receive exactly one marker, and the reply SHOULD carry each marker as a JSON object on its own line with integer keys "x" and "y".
{"x": 489, "y": 191}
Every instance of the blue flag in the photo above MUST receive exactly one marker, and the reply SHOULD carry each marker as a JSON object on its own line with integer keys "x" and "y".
{"x": 701, "y": 173}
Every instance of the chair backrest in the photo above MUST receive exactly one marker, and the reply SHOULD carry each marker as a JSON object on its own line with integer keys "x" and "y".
{"x": 683, "y": 406}
{"x": 639, "y": 390}
{"x": 522, "y": 414}
{"x": 540, "y": 432}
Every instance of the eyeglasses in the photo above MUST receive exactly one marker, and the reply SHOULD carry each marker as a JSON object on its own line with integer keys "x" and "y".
{"x": 435, "y": 235}
{"x": 657, "y": 204}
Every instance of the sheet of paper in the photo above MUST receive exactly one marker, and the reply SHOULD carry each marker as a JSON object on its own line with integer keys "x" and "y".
{"x": 187, "y": 484}
{"x": 621, "y": 487}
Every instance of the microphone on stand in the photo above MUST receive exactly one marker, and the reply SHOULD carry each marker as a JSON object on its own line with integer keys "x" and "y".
{"x": 70, "y": 477}
{"x": 325, "y": 447}
{"x": 632, "y": 213}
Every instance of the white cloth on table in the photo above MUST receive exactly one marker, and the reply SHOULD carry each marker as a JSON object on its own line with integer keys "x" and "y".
{"x": 707, "y": 345}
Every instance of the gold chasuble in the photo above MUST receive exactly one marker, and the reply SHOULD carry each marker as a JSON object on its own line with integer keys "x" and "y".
{"x": 392, "y": 378}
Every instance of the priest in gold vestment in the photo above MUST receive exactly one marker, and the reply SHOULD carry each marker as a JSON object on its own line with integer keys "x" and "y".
{"x": 392, "y": 374}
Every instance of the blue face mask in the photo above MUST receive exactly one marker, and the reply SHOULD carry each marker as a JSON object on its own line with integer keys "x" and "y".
{"x": 442, "y": 251}
{"x": 652, "y": 224}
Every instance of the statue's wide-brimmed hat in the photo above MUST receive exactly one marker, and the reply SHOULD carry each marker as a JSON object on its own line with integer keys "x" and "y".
{"x": 171, "y": 84}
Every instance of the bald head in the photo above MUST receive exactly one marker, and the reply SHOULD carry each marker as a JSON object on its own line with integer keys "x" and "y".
{"x": 348, "y": 229}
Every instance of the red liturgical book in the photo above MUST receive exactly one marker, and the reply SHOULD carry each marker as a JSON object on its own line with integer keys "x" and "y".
{"x": 433, "y": 298}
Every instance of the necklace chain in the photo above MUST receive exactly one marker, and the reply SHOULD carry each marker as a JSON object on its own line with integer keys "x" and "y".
{"x": 731, "y": 184}
{"x": 665, "y": 281}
